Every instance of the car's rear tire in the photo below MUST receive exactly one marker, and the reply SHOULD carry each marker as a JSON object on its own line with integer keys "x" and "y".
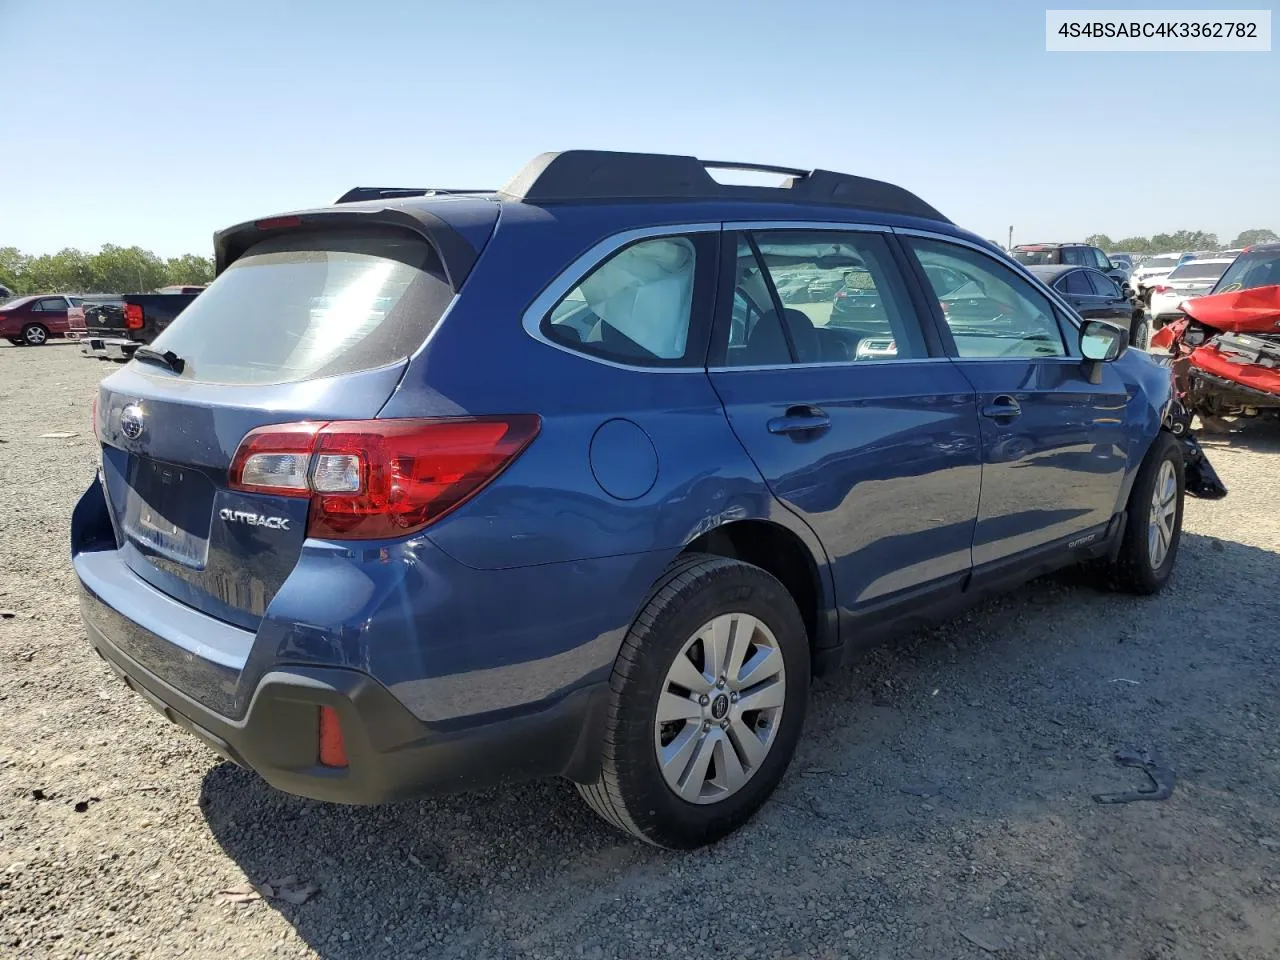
{"x": 1153, "y": 525}
{"x": 714, "y": 677}
{"x": 35, "y": 335}
{"x": 1139, "y": 332}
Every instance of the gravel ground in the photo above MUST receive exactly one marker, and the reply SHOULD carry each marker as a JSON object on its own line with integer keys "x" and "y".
{"x": 940, "y": 805}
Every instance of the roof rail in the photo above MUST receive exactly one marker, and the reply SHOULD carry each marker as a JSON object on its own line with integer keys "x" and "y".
{"x": 576, "y": 175}
{"x": 358, "y": 194}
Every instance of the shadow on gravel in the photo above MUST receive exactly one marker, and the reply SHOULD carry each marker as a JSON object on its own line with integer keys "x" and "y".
{"x": 940, "y": 798}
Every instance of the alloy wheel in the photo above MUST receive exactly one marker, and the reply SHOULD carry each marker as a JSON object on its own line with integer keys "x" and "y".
{"x": 1164, "y": 508}
{"x": 719, "y": 708}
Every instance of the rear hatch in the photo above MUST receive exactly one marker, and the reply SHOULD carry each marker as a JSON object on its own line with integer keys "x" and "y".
{"x": 305, "y": 327}
{"x": 104, "y": 319}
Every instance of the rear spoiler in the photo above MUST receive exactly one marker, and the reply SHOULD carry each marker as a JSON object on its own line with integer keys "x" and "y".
{"x": 457, "y": 253}
{"x": 362, "y": 194}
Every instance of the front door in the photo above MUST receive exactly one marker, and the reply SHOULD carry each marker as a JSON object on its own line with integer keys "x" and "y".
{"x": 1053, "y": 444}
{"x": 857, "y": 425}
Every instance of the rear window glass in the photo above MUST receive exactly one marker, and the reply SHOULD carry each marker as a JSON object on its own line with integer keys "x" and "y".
{"x": 309, "y": 305}
{"x": 1199, "y": 271}
{"x": 1161, "y": 262}
{"x": 1032, "y": 257}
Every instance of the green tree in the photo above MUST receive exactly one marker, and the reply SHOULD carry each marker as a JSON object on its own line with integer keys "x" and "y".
{"x": 1099, "y": 240}
{"x": 1245, "y": 239}
{"x": 188, "y": 269}
{"x": 127, "y": 270}
{"x": 67, "y": 270}
{"x": 1134, "y": 245}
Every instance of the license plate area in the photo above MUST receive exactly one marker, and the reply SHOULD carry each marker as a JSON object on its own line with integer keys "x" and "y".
{"x": 168, "y": 510}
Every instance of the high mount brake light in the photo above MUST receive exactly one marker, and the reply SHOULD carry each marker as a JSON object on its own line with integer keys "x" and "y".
{"x": 370, "y": 479}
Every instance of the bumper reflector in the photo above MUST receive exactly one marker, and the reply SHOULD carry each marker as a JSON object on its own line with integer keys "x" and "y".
{"x": 333, "y": 752}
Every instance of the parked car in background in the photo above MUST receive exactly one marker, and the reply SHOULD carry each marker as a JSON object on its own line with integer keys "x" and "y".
{"x": 5, "y": 293}
{"x": 362, "y": 570}
{"x": 1256, "y": 266}
{"x": 1122, "y": 261}
{"x": 117, "y": 329}
{"x": 1154, "y": 269}
{"x": 76, "y": 323}
{"x": 35, "y": 320}
{"x": 1192, "y": 279}
{"x": 1096, "y": 296}
{"x": 1069, "y": 254}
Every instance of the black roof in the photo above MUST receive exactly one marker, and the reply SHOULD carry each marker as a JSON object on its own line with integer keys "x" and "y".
{"x": 587, "y": 175}
{"x": 1049, "y": 272}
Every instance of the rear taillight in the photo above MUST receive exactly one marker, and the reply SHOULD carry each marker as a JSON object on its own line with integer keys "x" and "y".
{"x": 133, "y": 316}
{"x": 369, "y": 479}
{"x": 1162, "y": 289}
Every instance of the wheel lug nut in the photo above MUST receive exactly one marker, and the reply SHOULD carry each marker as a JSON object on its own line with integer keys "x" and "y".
{"x": 720, "y": 683}
{"x": 704, "y": 700}
{"x": 724, "y": 724}
{"x": 706, "y": 725}
{"x": 733, "y": 698}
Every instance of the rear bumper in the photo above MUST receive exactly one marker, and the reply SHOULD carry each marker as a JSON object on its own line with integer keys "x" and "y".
{"x": 107, "y": 348}
{"x": 392, "y": 755}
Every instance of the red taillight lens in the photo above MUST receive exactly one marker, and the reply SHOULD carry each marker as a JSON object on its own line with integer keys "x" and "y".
{"x": 1161, "y": 289}
{"x": 133, "y": 316}
{"x": 333, "y": 751}
{"x": 369, "y": 479}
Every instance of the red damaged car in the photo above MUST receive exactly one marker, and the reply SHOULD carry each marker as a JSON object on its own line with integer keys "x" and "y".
{"x": 1226, "y": 349}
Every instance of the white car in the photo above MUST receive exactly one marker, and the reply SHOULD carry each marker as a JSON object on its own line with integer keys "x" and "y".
{"x": 1193, "y": 279}
{"x": 1154, "y": 269}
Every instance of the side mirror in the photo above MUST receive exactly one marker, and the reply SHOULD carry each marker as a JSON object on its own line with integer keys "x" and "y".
{"x": 1101, "y": 342}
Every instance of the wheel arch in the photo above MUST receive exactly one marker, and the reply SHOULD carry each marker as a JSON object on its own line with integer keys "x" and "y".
{"x": 799, "y": 565}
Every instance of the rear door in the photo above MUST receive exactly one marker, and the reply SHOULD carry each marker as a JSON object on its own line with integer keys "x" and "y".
{"x": 313, "y": 326}
{"x": 1053, "y": 444}
{"x": 858, "y": 426}
{"x": 52, "y": 312}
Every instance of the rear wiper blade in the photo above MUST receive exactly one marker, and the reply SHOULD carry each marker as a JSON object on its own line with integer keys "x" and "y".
{"x": 167, "y": 359}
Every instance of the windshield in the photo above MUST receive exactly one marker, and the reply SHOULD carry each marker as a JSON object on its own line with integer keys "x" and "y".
{"x": 309, "y": 305}
{"x": 1036, "y": 256}
{"x": 1258, "y": 269}
{"x": 1198, "y": 271}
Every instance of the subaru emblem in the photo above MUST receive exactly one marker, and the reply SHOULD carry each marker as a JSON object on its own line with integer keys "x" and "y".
{"x": 131, "y": 421}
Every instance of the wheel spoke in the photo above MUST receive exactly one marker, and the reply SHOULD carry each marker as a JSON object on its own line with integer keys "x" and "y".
{"x": 683, "y": 673}
{"x": 695, "y": 776}
{"x": 743, "y": 632}
{"x": 729, "y": 773}
{"x": 715, "y": 646}
{"x": 772, "y": 693}
{"x": 764, "y": 663}
{"x": 672, "y": 706}
{"x": 746, "y": 742}
{"x": 675, "y": 755}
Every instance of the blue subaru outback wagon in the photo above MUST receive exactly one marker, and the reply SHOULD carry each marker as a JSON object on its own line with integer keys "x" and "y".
{"x": 588, "y": 476}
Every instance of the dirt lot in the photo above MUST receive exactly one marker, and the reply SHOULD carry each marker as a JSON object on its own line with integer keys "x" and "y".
{"x": 940, "y": 805}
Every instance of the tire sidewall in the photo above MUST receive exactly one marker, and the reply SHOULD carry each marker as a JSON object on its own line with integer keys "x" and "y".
{"x": 729, "y": 587}
{"x": 1165, "y": 449}
{"x": 32, "y": 328}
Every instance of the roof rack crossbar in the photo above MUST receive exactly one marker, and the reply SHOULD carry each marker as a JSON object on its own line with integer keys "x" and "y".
{"x": 358, "y": 194}
{"x": 578, "y": 175}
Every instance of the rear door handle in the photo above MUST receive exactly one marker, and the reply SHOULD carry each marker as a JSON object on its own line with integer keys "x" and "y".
{"x": 800, "y": 419}
{"x": 1003, "y": 407}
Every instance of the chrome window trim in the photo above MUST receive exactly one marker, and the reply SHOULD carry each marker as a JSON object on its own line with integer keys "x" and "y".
{"x": 829, "y": 225}
{"x": 877, "y": 361}
{"x": 573, "y": 274}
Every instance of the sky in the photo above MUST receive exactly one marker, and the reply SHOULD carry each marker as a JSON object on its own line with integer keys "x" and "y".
{"x": 156, "y": 123}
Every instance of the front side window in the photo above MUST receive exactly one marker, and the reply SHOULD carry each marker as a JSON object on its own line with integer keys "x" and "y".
{"x": 996, "y": 314}
{"x": 842, "y": 300}
{"x": 636, "y": 307}
{"x": 1100, "y": 259}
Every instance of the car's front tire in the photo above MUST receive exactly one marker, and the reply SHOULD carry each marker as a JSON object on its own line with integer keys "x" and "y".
{"x": 1139, "y": 331}
{"x": 708, "y": 698}
{"x": 1153, "y": 524}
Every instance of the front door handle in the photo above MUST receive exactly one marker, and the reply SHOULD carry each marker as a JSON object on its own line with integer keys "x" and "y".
{"x": 800, "y": 419}
{"x": 1003, "y": 407}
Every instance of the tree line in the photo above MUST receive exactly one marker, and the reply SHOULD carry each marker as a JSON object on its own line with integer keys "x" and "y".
{"x": 111, "y": 270}
{"x": 1182, "y": 240}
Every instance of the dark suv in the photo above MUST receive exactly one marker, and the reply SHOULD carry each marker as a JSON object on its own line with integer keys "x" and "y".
{"x": 1072, "y": 254}
{"x": 430, "y": 490}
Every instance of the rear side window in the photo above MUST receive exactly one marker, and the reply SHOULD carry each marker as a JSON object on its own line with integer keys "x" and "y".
{"x": 1103, "y": 285}
{"x": 637, "y": 307}
{"x": 308, "y": 305}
